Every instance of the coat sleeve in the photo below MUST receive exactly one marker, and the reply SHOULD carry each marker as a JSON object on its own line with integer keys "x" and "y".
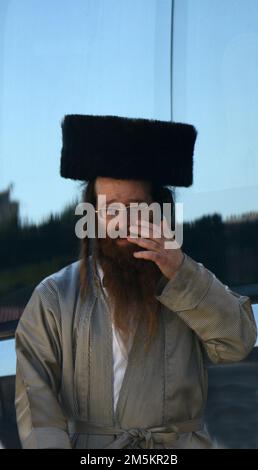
{"x": 40, "y": 419}
{"x": 223, "y": 320}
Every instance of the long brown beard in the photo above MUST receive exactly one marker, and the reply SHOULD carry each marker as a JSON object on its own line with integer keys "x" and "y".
{"x": 130, "y": 283}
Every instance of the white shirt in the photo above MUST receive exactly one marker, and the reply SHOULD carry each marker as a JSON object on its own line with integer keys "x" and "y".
{"x": 120, "y": 355}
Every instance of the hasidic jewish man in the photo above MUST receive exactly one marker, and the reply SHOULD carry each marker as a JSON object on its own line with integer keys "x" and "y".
{"x": 111, "y": 349}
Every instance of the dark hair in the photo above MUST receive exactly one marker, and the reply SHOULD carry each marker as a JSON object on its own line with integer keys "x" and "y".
{"x": 159, "y": 193}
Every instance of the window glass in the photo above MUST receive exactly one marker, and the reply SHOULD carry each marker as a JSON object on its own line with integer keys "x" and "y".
{"x": 215, "y": 76}
{"x": 7, "y": 358}
{"x": 89, "y": 57}
{"x": 255, "y": 310}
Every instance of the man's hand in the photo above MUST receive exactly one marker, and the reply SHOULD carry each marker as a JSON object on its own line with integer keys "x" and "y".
{"x": 168, "y": 260}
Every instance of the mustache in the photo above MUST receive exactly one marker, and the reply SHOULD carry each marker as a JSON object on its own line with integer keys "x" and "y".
{"x": 121, "y": 256}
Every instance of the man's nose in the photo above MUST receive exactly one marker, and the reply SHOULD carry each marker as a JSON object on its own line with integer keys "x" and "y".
{"x": 123, "y": 226}
{"x": 124, "y": 223}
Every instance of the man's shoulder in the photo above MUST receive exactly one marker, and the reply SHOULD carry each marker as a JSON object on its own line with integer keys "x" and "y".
{"x": 56, "y": 293}
{"x": 63, "y": 284}
{"x": 66, "y": 278}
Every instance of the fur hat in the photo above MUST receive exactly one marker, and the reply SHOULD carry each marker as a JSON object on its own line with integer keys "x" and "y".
{"x": 127, "y": 148}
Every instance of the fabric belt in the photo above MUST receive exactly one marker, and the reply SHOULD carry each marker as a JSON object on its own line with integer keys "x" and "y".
{"x": 124, "y": 437}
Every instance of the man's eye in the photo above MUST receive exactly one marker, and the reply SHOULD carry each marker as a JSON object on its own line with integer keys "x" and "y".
{"x": 112, "y": 210}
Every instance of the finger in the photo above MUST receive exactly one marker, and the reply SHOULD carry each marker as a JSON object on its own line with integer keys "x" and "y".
{"x": 144, "y": 242}
{"x": 161, "y": 231}
{"x": 146, "y": 231}
{"x": 155, "y": 229}
{"x": 151, "y": 255}
{"x": 166, "y": 229}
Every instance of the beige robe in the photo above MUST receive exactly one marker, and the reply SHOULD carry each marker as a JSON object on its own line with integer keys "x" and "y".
{"x": 64, "y": 381}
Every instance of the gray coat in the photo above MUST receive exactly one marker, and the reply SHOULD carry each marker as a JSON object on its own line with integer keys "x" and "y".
{"x": 64, "y": 379}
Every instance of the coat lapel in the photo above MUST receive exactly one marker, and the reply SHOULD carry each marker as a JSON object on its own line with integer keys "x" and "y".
{"x": 143, "y": 381}
{"x": 141, "y": 398}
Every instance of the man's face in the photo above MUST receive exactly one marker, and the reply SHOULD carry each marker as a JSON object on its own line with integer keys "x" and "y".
{"x": 118, "y": 191}
{"x": 130, "y": 281}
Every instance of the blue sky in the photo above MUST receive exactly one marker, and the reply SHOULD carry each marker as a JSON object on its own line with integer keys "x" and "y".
{"x": 215, "y": 87}
{"x": 113, "y": 57}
